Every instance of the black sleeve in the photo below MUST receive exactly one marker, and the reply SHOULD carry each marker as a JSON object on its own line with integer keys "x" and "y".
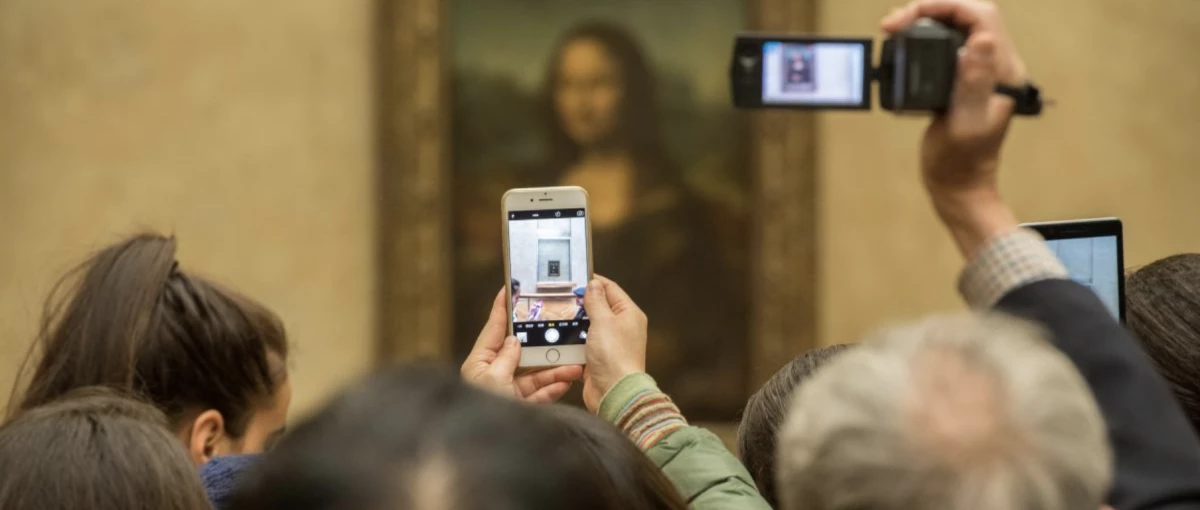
{"x": 1157, "y": 453}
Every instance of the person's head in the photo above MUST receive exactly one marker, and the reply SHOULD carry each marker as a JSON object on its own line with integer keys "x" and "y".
{"x": 765, "y": 412}
{"x": 98, "y": 450}
{"x": 1162, "y": 309}
{"x": 130, "y": 318}
{"x": 964, "y": 412}
{"x": 422, "y": 438}
{"x": 632, "y": 476}
{"x": 579, "y": 292}
{"x": 515, "y": 288}
{"x": 600, "y": 93}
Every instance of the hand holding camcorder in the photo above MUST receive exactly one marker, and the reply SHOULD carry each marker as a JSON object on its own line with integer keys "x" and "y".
{"x": 916, "y": 72}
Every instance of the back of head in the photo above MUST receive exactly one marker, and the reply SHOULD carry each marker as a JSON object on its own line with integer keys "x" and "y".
{"x": 1162, "y": 309}
{"x": 765, "y": 412}
{"x": 96, "y": 450}
{"x": 423, "y": 439}
{"x": 630, "y": 475}
{"x": 956, "y": 413}
{"x": 130, "y": 318}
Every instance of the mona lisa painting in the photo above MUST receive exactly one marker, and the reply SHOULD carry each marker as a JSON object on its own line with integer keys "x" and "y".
{"x": 629, "y": 100}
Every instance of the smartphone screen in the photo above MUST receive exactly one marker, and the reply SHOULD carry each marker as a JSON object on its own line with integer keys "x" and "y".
{"x": 829, "y": 73}
{"x": 1096, "y": 263}
{"x": 548, "y": 264}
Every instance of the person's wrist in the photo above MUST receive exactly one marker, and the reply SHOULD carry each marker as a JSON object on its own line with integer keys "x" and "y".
{"x": 607, "y": 379}
{"x": 974, "y": 216}
{"x": 611, "y": 378}
{"x": 625, "y": 369}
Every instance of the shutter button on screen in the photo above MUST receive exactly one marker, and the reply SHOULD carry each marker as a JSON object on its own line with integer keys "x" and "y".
{"x": 552, "y": 355}
{"x": 551, "y": 335}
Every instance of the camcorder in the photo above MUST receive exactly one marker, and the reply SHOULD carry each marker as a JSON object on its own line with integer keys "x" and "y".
{"x": 916, "y": 72}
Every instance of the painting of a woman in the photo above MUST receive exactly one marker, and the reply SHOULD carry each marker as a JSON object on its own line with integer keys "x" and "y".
{"x": 577, "y": 100}
{"x": 651, "y": 232}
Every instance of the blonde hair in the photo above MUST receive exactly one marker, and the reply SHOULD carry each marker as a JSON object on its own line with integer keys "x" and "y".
{"x": 966, "y": 412}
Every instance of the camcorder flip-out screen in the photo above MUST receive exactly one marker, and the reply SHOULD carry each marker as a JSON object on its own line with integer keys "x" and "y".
{"x": 815, "y": 73}
{"x": 916, "y": 72}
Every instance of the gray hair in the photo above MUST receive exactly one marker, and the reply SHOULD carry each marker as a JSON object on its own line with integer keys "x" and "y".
{"x": 965, "y": 412}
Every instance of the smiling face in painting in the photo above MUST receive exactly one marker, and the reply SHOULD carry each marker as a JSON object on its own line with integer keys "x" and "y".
{"x": 588, "y": 97}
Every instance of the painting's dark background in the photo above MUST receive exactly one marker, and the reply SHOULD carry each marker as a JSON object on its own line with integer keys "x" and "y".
{"x": 697, "y": 300}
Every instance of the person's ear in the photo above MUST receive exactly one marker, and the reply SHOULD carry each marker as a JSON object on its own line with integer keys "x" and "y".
{"x": 204, "y": 436}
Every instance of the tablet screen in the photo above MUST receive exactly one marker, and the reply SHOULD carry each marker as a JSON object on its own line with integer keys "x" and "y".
{"x": 1094, "y": 262}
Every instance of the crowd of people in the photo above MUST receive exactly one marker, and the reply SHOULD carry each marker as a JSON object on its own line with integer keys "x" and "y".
{"x": 150, "y": 387}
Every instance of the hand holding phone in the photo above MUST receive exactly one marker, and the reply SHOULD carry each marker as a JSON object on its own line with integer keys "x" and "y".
{"x": 617, "y": 344}
{"x": 492, "y": 364}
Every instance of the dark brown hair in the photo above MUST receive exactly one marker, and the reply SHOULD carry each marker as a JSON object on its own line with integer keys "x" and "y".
{"x": 422, "y": 438}
{"x": 130, "y": 318}
{"x": 98, "y": 450}
{"x": 1162, "y": 309}
{"x": 639, "y": 119}
{"x": 765, "y": 412}
{"x": 632, "y": 476}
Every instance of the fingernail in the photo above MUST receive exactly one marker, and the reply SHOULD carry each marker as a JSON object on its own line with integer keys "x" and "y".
{"x": 512, "y": 340}
{"x": 595, "y": 285}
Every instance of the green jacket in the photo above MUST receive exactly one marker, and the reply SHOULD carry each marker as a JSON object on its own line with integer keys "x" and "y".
{"x": 707, "y": 475}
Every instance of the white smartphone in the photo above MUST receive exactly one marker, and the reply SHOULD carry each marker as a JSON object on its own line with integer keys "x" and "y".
{"x": 547, "y": 266}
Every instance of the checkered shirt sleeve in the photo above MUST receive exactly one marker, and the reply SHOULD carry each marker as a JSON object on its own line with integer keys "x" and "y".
{"x": 1007, "y": 262}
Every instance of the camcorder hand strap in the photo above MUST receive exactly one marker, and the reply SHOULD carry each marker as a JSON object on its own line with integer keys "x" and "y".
{"x": 1028, "y": 98}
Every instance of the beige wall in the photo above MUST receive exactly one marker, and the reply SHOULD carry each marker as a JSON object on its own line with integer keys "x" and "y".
{"x": 1124, "y": 140}
{"x": 242, "y": 127}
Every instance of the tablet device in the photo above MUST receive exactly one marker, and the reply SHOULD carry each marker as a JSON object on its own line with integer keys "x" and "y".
{"x": 1093, "y": 252}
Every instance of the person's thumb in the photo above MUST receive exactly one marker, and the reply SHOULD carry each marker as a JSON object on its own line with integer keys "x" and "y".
{"x": 507, "y": 359}
{"x": 595, "y": 300}
{"x": 976, "y": 80}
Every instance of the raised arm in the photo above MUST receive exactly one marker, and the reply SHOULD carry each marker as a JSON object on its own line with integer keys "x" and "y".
{"x": 1157, "y": 456}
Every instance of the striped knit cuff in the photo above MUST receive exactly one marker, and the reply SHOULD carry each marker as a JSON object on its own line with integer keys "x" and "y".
{"x": 637, "y": 407}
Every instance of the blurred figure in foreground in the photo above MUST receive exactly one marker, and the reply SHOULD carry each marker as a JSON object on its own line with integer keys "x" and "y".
{"x": 956, "y": 413}
{"x": 423, "y": 439}
{"x": 98, "y": 450}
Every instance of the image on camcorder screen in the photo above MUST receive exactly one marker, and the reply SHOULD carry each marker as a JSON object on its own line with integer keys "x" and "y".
{"x": 1093, "y": 262}
{"x": 799, "y": 72}
{"x": 548, "y": 264}
{"x": 819, "y": 73}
